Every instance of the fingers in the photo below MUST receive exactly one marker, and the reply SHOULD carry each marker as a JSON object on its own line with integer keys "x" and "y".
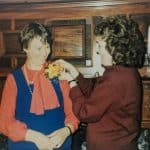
{"x": 51, "y": 135}
{"x": 60, "y": 60}
{"x": 58, "y": 146}
{"x": 56, "y": 141}
{"x": 56, "y": 138}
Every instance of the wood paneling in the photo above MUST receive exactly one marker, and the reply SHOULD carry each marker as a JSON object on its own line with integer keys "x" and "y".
{"x": 11, "y": 42}
{"x": 67, "y": 10}
{"x": 20, "y": 23}
{"x": 146, "y": 104}
{"x": 5, "y": 25}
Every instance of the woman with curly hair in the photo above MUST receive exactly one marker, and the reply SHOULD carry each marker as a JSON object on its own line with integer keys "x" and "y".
{"x": 110, "y": 104}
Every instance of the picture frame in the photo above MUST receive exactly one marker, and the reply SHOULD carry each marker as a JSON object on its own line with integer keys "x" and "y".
{"x": 68, "y": 41}
{"x": 75, "y": 38}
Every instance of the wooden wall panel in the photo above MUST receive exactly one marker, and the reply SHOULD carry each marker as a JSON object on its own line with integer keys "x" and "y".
{"x": 5, "y": 24}
{"x": 11, "y": 42}
{"x": 14, "y": 17}
{"x": 146, "y": 105}
{"x": 73, "y": 12}
{"x": 20, "y": 23}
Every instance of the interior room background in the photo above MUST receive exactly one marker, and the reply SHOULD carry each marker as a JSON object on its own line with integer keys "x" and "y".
{"x": 72, "y": 23}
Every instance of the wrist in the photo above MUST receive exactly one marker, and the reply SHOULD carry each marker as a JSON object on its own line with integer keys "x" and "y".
{"x": 73, "y": 80}
{"x": 30, "y": 135}
{"x": 75, "y": 74}
{"x": 68, "y": 130}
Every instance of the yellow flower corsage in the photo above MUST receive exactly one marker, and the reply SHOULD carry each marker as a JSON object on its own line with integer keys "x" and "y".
{"x": 53, "y": 70}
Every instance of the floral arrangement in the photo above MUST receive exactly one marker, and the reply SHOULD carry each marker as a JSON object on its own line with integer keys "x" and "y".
{"x": 53, "y": 70}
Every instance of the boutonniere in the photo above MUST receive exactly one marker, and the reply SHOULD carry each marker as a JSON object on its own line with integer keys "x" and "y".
{"x": 53, "y": 70}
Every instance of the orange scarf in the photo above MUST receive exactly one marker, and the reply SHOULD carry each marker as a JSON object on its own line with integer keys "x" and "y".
{"x": 44, "y": 96}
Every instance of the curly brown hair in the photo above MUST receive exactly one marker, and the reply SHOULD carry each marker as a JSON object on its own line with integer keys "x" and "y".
{"x": 124, "y": 41}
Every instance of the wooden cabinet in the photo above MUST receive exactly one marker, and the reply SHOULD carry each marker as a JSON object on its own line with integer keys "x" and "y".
{"x": 146, "y": 104}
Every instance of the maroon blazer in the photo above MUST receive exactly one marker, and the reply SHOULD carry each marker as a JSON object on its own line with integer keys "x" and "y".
{"x": 111, "y": 106}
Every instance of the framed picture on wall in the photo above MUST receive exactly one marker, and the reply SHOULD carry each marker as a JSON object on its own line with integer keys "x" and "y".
{"x": 68, "y": 41}
{"x": 71, "y": 40}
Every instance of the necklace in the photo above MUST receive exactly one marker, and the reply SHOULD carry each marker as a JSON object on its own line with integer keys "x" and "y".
{"x": 29, "y": 88}
{"x": 27, "y": 80}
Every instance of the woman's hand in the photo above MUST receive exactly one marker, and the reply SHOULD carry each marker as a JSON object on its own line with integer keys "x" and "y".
{"x": 40, "y": 140}
{"x": 59, "y": 136}
{"x": 68, "y": 67}
{"x": 65, "y": 76}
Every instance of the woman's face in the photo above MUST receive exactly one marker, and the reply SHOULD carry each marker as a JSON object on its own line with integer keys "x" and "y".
{"x": 106, "y": 58}
{"x": 37, "y": 51}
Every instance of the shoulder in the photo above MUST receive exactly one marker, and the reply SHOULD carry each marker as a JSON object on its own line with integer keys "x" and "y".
{"x": 121, "y": 75}
{"x": 121, "y": 72}
{"x": 10, "y": 80}
{"x": 15, "y": 71}
{"x": 14, "y": 75}
{"x": 11, "y": 75}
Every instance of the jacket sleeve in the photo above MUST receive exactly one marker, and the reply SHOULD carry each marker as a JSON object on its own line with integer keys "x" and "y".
{"x": 86, "y": 85}
{"x": 90, "y": 109}
{"x": 9, "y": 126}
{"x": 70, "y": 117}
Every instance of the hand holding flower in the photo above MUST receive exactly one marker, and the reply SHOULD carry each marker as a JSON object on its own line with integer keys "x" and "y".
{"x": 53, "y": 70}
